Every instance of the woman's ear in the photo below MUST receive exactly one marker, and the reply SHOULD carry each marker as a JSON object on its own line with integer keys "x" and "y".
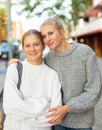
{"x": 63, "y": 33}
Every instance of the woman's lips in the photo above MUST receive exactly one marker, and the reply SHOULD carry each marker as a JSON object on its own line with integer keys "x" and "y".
{"x": 50, "y": 44}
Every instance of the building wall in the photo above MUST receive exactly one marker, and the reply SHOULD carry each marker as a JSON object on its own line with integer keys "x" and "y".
{"x": 91, "y": 32}
{"x": 94, "y": 41}
{"x": 17, "y": 30}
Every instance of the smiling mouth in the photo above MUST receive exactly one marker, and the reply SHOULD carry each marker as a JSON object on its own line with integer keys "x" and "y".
{"x": 33, "y": 54}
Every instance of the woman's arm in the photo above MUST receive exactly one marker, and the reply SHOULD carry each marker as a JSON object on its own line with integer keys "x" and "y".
{"x": 92, "y": 89}
{"x": 13, "y": 61}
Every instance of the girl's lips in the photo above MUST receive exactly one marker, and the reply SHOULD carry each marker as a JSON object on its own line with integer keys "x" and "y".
{"x": 32, "y": 54}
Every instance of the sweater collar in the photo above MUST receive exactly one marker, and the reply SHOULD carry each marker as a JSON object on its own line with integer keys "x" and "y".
{"x": 67, "y": 52}
{"x": 33, "y": 66}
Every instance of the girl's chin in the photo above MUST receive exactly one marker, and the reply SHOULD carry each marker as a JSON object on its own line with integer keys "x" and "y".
{"x": 34, "y": 61}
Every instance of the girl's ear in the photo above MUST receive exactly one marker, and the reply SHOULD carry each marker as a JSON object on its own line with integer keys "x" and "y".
{"x": 23, "y": 49}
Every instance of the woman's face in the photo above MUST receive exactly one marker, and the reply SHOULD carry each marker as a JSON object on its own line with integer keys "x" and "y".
{"x": 52, "y": 37}
{"x": 33, "y": 49}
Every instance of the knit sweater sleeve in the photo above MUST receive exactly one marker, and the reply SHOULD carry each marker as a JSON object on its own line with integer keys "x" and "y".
{"x": 92, "y": 89}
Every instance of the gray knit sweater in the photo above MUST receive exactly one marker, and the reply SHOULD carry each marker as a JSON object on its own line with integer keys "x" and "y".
{"x": 81, "y": 83}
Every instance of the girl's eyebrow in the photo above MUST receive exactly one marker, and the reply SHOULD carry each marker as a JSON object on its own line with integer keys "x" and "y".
{"x": 31, "y": 43}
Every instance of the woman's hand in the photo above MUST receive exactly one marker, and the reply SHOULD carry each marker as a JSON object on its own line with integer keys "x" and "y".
{"x": 13, "y": 61}
{"x": 58, "y": 113}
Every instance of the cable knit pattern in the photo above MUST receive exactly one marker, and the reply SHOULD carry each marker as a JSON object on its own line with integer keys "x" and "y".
{"x": 81, "y": 83}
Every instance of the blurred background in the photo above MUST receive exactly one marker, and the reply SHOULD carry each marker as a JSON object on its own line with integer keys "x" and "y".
{"x": 82, "y": 20}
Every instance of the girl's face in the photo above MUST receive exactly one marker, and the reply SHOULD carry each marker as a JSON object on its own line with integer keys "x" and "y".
{"x": 33, "y": 49}
{"x": 52, "y": 37}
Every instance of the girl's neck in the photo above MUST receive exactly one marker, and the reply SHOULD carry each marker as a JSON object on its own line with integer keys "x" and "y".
{"x": 35, "y": 63}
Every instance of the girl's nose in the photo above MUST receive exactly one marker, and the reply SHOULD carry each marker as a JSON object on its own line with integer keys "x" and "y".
{"x": 32, "y": 48}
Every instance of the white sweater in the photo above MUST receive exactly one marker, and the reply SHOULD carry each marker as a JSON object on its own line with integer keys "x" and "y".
{"x": 39, "y": 91}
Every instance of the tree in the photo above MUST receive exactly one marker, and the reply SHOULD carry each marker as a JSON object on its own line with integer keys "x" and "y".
{"x": 67, "y": 10}
{"x": 3, "y": 24}
{"x": 79, "y": 9}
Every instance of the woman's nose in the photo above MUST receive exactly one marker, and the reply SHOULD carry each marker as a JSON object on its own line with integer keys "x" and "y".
{"x": 47, "y": 38}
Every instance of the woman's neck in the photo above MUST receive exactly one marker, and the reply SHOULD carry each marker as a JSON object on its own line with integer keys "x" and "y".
{"x": 63, "y": 47}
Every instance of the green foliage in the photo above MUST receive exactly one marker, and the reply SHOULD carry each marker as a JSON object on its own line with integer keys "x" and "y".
{"x": 3, "y": 24}
{"x": 3, "y": 17}
{"x": 67, "y": 10}
{"x": 79, "y": 8}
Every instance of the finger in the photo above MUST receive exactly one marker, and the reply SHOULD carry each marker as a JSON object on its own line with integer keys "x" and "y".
{"x": 53, "y": 114}
{"x": 53, "y": 109}
{"x": 55, "y": 121}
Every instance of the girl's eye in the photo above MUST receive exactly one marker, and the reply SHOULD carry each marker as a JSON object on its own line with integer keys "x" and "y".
{"x": 37, "y": 44}
{"x": 27, "y": 45}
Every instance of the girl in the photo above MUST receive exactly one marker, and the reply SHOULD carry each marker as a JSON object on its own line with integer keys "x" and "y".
{"x": 26, "y": 109}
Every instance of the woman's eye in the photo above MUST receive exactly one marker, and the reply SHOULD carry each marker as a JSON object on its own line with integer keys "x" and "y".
{"x": 50, "y": 33}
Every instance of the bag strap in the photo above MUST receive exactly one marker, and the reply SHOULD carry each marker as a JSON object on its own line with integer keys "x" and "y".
{"x": 19, "y": 69}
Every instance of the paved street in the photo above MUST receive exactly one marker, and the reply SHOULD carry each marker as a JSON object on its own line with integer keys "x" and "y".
{"x": 98, "y": 109}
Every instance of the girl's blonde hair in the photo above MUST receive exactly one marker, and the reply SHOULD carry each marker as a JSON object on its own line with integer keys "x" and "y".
{"x": 53, "y": 21}
{"x": 34, "y": 32}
